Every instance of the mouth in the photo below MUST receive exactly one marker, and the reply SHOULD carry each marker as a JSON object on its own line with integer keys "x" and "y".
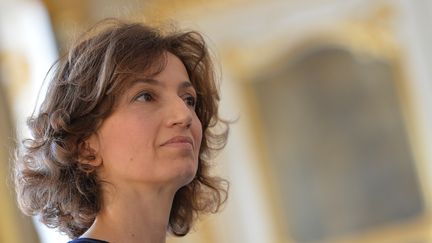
{"x": 180, "y": 141}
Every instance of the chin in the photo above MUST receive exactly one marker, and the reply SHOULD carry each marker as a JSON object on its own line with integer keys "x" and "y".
{"x": 180, "y": 172}
{"x": 187, "y": 175}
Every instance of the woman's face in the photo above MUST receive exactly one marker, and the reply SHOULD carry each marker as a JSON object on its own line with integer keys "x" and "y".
{"x": 153, "y": 137}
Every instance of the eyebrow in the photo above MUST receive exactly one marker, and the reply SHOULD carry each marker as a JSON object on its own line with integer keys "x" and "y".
{"x": 183, "y": 85}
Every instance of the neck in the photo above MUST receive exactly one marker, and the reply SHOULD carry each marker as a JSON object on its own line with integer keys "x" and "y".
{"x": 133, "y": 216}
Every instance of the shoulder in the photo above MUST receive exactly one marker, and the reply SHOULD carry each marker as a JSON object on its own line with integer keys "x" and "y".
{"x": 87, "y": 240}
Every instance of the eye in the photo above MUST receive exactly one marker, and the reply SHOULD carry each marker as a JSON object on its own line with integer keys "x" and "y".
{"x": 145, "y": 96}
{"x": 190, "y": 101}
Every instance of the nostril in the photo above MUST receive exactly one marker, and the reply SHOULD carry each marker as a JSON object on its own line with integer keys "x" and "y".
{"x": 188, "y": 125}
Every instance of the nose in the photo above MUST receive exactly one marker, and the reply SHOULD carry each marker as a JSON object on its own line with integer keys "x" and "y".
{"x": 178, "y": 113}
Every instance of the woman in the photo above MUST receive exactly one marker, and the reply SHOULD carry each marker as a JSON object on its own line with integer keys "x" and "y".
{"x": 122, "y": 142}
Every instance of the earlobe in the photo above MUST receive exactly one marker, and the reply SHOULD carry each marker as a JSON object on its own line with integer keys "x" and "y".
{"x": 89, "y": 151}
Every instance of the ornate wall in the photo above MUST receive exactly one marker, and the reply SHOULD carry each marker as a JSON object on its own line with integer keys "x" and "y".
{"x": 333, "y": 96}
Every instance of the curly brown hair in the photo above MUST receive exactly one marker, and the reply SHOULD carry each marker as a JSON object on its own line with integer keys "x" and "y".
{"x": 49, "y": 179}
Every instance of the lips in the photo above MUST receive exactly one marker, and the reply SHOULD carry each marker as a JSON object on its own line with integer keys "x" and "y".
{"x": 179, "y": 141}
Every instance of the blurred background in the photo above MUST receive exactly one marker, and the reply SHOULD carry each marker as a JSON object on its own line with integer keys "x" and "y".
{"x": 334, "y": 106}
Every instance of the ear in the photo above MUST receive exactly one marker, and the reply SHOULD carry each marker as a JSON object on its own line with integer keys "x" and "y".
{"x": 89, "y": 152}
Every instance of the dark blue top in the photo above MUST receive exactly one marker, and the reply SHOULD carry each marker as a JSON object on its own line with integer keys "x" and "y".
{"x": 87, "y": 240}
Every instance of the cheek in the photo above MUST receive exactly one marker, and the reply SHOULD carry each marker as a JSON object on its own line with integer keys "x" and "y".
{"x": 123, "y": 139}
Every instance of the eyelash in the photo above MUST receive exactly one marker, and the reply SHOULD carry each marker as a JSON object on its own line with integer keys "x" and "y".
{"x": 190, "y": 100}
{"x": 147, "y": 95}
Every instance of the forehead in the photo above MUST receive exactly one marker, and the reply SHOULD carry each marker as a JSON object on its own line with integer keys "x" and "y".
{"x": 125, "y": 74}
{"x": 167, "y": 67}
